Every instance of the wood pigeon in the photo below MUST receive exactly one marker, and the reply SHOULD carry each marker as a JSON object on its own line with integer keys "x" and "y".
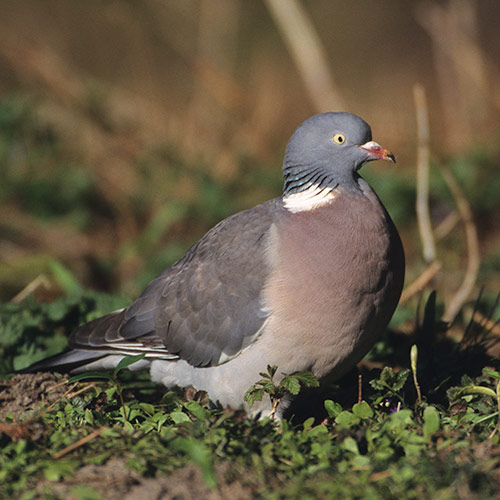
{"x": 306, "y": 281}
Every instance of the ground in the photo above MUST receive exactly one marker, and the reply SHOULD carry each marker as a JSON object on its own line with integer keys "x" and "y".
{"x": 27, "y": 394}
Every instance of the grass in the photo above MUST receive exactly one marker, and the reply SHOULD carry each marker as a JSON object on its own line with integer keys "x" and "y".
{"x": 387, "y": 444}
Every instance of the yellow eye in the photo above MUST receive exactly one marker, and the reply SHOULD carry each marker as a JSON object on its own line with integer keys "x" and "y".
{"x": 339, "y": 138}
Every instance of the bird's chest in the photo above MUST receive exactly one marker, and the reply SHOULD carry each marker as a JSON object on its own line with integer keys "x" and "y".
{"x": 333, "y": 252}
{"x": 333, "y": 271}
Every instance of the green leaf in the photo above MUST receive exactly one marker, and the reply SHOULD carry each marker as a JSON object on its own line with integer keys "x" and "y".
{"x": 346, "y": 419}
{"x": 332, "y": 408}
{"x": 491, "y": 373}
{"x": 148, "y": 408}
{"x": 52, "y": 473}
{"x": 65, "y": 278}
{"x": 307, "y": 379}
{"x": 127, "y": 361}
{"x": 254, "y": 394}
{"x": 89, "y": 417}
{"x": 478, "y": 389}
{"x": 350, "y": 444}
{"x": 389, "y": 380}
{"x": 362, "y": 410}
{"x": 249, "y": 396}
{"x": 197, "y": 410}
{"x": 291, "y": 384}
{"x": 111, "y": 392}
{"x": 271, "y": 371}
{"x": 90, "y": 376}
{"x": 308, "y": 424}
{"x": 179, "y": 417}
{"x": 400, "y": 420}
{"x": 431, "y": 422}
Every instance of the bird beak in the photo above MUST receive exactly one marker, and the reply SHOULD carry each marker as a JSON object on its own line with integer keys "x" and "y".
{"x": 377, "y": 152}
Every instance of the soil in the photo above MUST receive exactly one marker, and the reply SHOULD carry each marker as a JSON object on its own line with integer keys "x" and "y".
{"x": 113, "y": 481}
{"x": 23, "y": 396}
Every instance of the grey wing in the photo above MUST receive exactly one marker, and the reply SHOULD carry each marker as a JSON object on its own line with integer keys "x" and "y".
{"x": 204, "y": 309}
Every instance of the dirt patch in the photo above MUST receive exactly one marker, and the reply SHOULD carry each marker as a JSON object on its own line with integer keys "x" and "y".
{"x": 26, "y": 393}
{"x": 188, "y": 484}
{"x": 111, "y": 480}
{"x": 114, "y": 481}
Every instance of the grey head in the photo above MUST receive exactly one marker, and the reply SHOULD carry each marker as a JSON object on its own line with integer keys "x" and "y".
{"x": 327, "y": 150}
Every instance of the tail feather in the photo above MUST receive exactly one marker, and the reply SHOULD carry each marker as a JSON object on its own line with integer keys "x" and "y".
{"x": 99, "y": 345}
{"x": 66, "y": 361}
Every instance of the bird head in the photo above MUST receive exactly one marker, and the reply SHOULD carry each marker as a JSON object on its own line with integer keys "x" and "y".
{"x": 327, "y": 150}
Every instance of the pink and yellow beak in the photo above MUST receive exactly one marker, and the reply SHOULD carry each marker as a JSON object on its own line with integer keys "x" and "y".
{"x": 377, "y": 152}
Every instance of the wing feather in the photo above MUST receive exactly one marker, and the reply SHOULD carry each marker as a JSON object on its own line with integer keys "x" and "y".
{"x": 206, "y": 308}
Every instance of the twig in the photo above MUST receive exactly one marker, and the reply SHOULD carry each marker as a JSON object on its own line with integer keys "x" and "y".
{"x": 56, "y": 386}
{"x": 40, "y": 281}
{"x": 422, "y": 200}
{"x": 53, "y": 405}
{"x": 421, "y": 282}
{"x": 307, "y": 51}
{"x": 83, "y": 389}
{"x": 473, "y": 257}
{"x": 79, "y": 443}
{"x": 360, "y": 388}
{"x": 69, "y": 395}
{"x": 274, "y": 409}
{"x": 122, "y": 402}
{"x": 414, "y": 364}
{"x": 447, "y": 225}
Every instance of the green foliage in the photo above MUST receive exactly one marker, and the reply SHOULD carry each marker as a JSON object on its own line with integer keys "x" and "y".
{"x": 34, "y": 330}
{"x": 289, "y": 384}
{"x": 390, "y": 383}
{"x": 380, "y": 447}
{"x": 113, "y": 378}
{"x": 431, "y": 422}
{"x": 65, "y": 279}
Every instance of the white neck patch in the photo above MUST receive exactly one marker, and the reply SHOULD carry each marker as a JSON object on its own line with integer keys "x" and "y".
{"x": 309, "y": 199}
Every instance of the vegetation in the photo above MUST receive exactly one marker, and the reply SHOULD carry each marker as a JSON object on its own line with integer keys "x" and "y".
{"x": 122, "y": 142}
{"x": 380, "y": 439}
{"x": 392, "y": 435}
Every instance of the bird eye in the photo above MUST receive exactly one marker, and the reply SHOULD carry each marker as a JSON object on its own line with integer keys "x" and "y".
{"x": 339, "y": 138}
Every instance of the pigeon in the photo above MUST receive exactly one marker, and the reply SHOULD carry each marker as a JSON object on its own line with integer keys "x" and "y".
{"x": 305, "y": 282}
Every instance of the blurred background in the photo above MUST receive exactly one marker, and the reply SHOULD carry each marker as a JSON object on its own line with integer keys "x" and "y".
{"x": 129, "y": 128}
